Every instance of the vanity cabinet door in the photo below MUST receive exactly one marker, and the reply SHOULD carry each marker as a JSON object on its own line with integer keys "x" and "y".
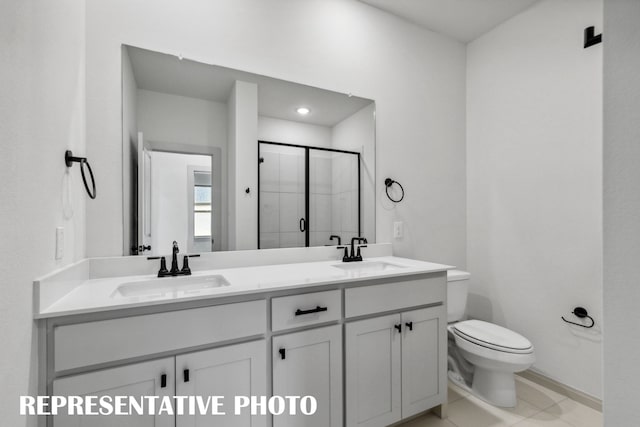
{"x": 309, "y": 363}
{"x": 424, "y": 366}
{"x": 140, "y": 379}
{"x": 235, "y": 370}
{"x": 373, "y": 371}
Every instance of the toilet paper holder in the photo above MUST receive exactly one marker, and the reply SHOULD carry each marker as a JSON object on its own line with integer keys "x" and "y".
{"x": 581, "y": 313}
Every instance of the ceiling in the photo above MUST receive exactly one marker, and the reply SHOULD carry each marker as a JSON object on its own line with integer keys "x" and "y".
{"x": 165, "y": 73}
{"x": 463, "y": 20}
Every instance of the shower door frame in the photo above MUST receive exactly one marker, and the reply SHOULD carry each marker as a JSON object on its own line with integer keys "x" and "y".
{"x": 307, "y": 197}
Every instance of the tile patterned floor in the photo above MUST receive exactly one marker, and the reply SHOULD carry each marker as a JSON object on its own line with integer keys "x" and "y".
{"x": 537, "y": 406}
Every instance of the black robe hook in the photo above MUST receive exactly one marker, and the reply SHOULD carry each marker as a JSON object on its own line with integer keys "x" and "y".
{"x": 590, "y": 38}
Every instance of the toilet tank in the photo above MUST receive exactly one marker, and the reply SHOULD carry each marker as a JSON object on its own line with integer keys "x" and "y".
{"x": 457, "y": 291}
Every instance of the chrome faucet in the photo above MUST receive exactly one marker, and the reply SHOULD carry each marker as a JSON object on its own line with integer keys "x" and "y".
{"x": 354, "y": 256}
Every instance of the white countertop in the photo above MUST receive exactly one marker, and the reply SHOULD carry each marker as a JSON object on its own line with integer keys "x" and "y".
{"x": 102, "y": 294}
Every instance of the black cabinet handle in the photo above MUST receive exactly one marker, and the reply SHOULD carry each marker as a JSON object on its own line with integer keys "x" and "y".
{"x": 185, "y": 374}
{"x": 409, "y": 325}
{"x": 398, "y": 327}
{"x": 303, "y": 225}
{"x": 283, "y": 353}
{"x": 318, "y": 309}
{"x": 163, "y": 380}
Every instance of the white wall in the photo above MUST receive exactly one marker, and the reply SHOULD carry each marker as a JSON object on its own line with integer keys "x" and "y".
{"x": 416, "y": 77}
{"x": 621, "y": 207}
{"x": 179, "y": 119}
{"x": 243, "y": 173}
{"x": 534, "y": 153}
{"x": 290, "y": 132}
{"x": 42, "y": 114}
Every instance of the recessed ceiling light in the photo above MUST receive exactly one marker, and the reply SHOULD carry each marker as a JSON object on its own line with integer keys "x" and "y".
{"x": 303, "y": 111}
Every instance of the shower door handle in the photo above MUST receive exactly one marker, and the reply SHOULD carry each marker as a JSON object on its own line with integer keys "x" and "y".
{"x": 303, "y": 225}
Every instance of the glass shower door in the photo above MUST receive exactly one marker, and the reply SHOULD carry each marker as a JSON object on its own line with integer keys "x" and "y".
{"x": 282, "y": 206}
{"x": 334, "y": 207}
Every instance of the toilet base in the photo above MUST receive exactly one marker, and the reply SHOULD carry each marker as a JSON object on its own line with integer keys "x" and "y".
{"x": 496, "y": 387}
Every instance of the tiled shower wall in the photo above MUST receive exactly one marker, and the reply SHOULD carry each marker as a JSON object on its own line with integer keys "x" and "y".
{"x": 281, "y": 196}
{"x": 320, "y": 197}
{"x": 344, "y": 195}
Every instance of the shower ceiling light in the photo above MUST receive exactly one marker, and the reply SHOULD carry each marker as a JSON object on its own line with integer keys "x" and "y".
{"x": 303, "y": 111}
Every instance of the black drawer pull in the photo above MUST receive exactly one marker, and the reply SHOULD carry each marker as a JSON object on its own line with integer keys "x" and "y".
{"x": 318, "y": 309}
{"x": 409, "y": 325}
{"x": 283, "y": 353}
{"x": 398, "y": 327}
{"x": 163, "y": 380}
{"x": 185, "y": 374}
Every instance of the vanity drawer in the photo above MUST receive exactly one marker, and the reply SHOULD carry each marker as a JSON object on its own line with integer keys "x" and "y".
{"x": 91, "y": 343}
{"x": 306, "y": 309}
{"x": 365, "y": 300}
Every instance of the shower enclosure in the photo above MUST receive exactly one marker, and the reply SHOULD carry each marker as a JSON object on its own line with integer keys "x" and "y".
{"x": 308, "y": 196}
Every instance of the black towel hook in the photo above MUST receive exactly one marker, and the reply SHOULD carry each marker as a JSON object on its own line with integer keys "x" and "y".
{"x": 69, "y": 160}
{"x": 590, "y": 37}
{"x": 388, "y": 182}
{"x": 581, "y": 312}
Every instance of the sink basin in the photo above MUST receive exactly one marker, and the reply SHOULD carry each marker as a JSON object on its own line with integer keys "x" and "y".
{"x": 367, "y": 267}
{"x": 189, "y": 285}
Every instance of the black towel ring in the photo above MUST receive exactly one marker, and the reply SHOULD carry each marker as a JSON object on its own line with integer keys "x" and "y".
{"x": 388, "y": 183}
{"x": 581, "y": 312}
{"x": 69, "y": 160}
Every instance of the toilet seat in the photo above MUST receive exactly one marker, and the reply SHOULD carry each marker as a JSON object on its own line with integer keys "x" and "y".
{"x": 492, "y": 337}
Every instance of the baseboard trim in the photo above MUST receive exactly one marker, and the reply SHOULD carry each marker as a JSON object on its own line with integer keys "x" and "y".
{"x": 570, "y": 392}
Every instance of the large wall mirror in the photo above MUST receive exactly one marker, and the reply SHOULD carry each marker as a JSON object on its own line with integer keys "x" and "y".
{"x": 220, "y": 159}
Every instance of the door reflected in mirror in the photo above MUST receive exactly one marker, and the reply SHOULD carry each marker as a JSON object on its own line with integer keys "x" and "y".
{"x": 221, "y": 159}
{"x": 180, "y": 198}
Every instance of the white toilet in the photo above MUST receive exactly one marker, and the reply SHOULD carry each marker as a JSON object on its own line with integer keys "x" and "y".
{"x": 483, "y": 357}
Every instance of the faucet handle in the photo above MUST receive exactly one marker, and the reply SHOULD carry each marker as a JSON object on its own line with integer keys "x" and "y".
{"x": 163, "y": 267}
{"x": 346, "y": 252}
{"x": 185, "y": 266}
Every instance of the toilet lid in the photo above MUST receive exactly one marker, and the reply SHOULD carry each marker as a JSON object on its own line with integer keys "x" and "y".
{"x": 492, "y": 336}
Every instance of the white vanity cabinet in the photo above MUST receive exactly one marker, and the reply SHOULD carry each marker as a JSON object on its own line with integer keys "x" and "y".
{"x": 372, "y": 352}
{"x": 153, "y": 378}
{"x": 227, "y": 370}
{"x": 309, "y": 363}
{"x": 395, "y": 366}
{"x": 373, "y": 371}
{"x": 236, "y": 370}
{"x": 424, "y": 365}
